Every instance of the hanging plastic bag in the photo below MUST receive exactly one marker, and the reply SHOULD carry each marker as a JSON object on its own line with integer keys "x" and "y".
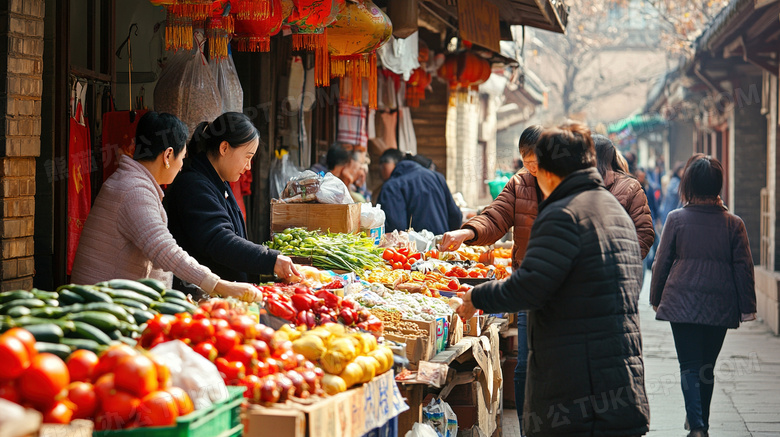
{"x": 186, "y": 87}
{"x": 282, "y": 170}
{"x": 228, "y": 84}
{"x": 332, "y": 190}
{"x": 439, "y": 415}
{"x": 421, "y": 430}
{"x": 302, "y": 187}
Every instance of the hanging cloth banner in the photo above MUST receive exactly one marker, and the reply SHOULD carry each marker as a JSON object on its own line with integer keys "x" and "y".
{"x": 478, "y": 23}
{"x": 79, "y": 167}
{"x": 118, "y": 138}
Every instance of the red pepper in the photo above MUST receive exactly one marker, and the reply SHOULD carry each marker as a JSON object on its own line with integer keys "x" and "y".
{"x": 347, "y": 316}
{"x": 453, "y": 285}
{"x": 300, "y": 289}
{"x": 301, "y": 319}
{"x": 337, "y": 283}
{"x": 403, "y": 251}
{"x": 373, "y": 324}
{"x": 303, "y": 302}
{"x": 280, "y": 309}
{"x": 331, "y": 300}
{"x": 415, "y": 256}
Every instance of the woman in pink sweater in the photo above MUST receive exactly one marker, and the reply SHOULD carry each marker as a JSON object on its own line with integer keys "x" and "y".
{"x": 126, "y": 234}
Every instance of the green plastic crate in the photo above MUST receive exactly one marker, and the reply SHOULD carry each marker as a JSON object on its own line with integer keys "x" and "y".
{"x": 220, "y": 420}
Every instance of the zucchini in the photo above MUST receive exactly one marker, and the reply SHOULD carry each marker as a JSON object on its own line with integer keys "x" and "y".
{"x": 19, "y": 311}
{"x": 182, "y": 303}
{"x": 85, "y": 330}
{"x": 88, "y": 292}
{"x": 47, "y": 332}
{"x": 127, "y": 294}
{"x": 29, "y": 303}
{"x": 152, "y": 283}
{"x": 126, "y": 284}
{"x": 110, "y": 308}
{"x": 174, "y": 294}
{"x": 69, "y": 297}
{"x": 44, "y": 295}
{"x": 48, "y": 312}
{"x": 15, "y": 295}
{"x": 168, "y": 308}
{"x": 52, "y": 302}
{"x": 100, "y": 320}
{"x": 60, "y": 350}
{"x": 83, "y": 343}
{"x": 140, "y": 316}
{"x": 130, "y": 303}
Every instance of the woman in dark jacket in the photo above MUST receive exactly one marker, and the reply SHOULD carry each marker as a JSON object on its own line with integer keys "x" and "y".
{"x": 628, "y": 190}
{"x": 580, "y": 279}
{"x": 702, "y": 282}
{"x": 203, "y": 214}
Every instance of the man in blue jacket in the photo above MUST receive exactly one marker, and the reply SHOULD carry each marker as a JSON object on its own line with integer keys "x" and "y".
{"x": 415, "y": 197}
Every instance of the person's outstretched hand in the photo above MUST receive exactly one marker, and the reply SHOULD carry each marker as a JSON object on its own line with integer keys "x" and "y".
{"x": 452, "y": 240}
{"x": 239, "y": 290}
{"x": 284, "y": 267}
{"x": 467, "y": 309}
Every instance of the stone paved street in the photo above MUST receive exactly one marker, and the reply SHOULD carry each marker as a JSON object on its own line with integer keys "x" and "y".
{"x": 746, "y": 402}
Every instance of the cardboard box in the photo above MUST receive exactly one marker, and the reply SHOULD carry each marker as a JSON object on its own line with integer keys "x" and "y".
{"x": 316, "y": 216}
{"x": 508, "y": 370}
{"x": 416, "y": 348}
{"x": 473, "y": 327}
{"x": 286, "y": 422}
{"x": 456, "y": 330}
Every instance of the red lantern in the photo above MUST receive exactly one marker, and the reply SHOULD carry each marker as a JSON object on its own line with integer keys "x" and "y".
{"x": 464, "y": 70}
{"x": 219, "y": 28}
{"x": 308, "y": 21}
{"x": 415, "y": 87}
{"x": 253, "y": 34}
{"x": 180, "y": 17}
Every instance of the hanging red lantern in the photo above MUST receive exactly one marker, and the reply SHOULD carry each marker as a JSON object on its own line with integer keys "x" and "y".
{"x": 308, "y": 21}
{"x": 464, "y": 71}
{"x": 219, "y": 28}
{"x": 251, "y": 9}
{"x": 180, "y": 16}
{"x": 254, "y": 34}
{"x": 415, "y": 87}
{"x": 352, "y": 43}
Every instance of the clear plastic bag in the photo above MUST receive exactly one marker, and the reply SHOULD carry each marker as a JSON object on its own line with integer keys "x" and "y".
{"x": 282, "y": 170}
{"x": 332, "y": 190}
{"x": 439, "y": 415}
{"x": 193, "y": 373}
{"x": 421, "y": 430}
{"x": 228, "y": 84}
{"x": 302, "y": 187}
{"x": 186, "y": 87}
{"x": 371, "y": 216}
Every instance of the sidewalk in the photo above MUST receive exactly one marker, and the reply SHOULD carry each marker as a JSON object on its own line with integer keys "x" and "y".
{"x": 746, "y": 402}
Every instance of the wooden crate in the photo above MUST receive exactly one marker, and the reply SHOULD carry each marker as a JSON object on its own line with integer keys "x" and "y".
{"x": 316, "y": 216}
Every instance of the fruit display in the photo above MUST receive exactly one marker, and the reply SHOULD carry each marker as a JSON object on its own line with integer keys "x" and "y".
{"x": 89, "y": 316}
{"x": 348, "y": 252}
{"x": 429, "y": 283}
{"x": 303, "y": 306}
{"x": 121, "y": 388}
{"x": 411, "y": 306}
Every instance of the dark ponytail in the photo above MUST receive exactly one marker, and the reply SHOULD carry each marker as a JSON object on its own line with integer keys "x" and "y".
{"x": 233, "y": 127}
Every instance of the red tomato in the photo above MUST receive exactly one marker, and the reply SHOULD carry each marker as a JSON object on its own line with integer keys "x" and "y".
{"x": 25, "y": 337}
{"x": 119, "y": 408}
{"x": 199, "y": 314}
{"x": 266, "y": 334}
{"x": 226, "y": 340}
{"x": 44, "y": 380}
{"x": 398, "y": 266}
{"x": 231, "y": 371}
{"x": 262, "y": 369}
{"x": 220, "y": 304}
{"x": 60, "y": 413}
{"x": 183, "y": 402}
{"x": 244, "y": 353}
{"x": 200, "y": 330}
{"x": 108, "y": 359}
{"x": 388, "y": 254}
{"x": 158, "y": 409}
{"x": 104, "y": 386}
{"x": 136, "y": 375}
{"x": 399, "y": 258}
{"x": 220, "y": 314}
{"x": 269, "y": 390}
{"x": 274, "y": 365}
{"x": 403, "y": 251}
{"x": 220, "y": 324}
{"x": 81, "y": 365}
{"x": 158, "y": 325}
{"x": 180, "y": 329}
{"x": 252, "y": 384}
{"x": 82, "y": 396}
{"x": 10, "y": 392}
{"x": 407, "y": 266}
{"x": 207, "y": 350}
{"x": 14, "y": 358}
{"x": 415, "y": 256}
{"x": 245, "y": 326}
{"x": 163, "y": 373}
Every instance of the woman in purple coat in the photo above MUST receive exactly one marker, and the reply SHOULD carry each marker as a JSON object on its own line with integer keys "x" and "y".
{"x": 702, "y": 282}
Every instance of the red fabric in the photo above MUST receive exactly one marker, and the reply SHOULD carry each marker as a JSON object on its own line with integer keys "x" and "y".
{"x": 246, "y": 182}
{"x": 236, "y": 187}
{"x": 118, "y": 138}
{"x": 79, "y": 188}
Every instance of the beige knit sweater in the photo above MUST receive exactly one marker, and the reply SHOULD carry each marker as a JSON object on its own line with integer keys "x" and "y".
{"x": 126, "y": 235}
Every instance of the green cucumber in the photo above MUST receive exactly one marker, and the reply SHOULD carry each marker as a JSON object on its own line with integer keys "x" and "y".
{"x": 88, "y": 292}
{"x": 130, "y": 303}
{"x": 47, "y": 332}
{"x": 167, "y": 308}
{"x": 127, "y": 294}
{"x": 126, "y": 284}
{"x": 29, "y": 303}
{"x": 15, "y": 295}
{"x": 48, "y": 312}
{"x": 18, "y": 311}
{"x": 83, "y": 343}
{"x": 100, "y": 320}
{"x": 45, "y": 295}
{"x": 174, "y": 294}
{"x": 90, "y": 332}
{"x": 182, "y": 303}
{"x": 68, "y": 297}
{"x": 26, "y": 321}
{"x": 115, "y": 334}
{"x": 110, "y": 308}
{"x": 61, "y": 350}
{"x": 152, "y": 283}
{"x": 140, "y": 316}
{"x": 52, "y": 302}
{"x": 128, "y": 341}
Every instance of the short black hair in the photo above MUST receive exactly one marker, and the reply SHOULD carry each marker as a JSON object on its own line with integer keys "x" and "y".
{"x": 565, "y": 149}
{"x": 234, "y": 127}
{"x": 155, "y": 133}
{"x": 391, "y": 155}
{"x": 528, "y": 139}
{"x": 607, "y": 157}
{"x": 337, "y": 155}
{"x": 703, "y": 178}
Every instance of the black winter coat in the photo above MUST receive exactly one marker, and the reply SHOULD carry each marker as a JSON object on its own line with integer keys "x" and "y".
{"x": 205, "y": 220}
{"x": 420, "y": 196}
{"x": 703, "y": 271}
{"x": 580, "y": 279}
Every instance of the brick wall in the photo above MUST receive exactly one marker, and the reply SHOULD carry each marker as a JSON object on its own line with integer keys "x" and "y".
{"x": 21, "y": 83}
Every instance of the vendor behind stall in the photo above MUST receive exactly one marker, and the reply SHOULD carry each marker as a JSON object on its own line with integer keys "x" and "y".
{"x": 126, "y": 234}
{"x": 204, "y": 216}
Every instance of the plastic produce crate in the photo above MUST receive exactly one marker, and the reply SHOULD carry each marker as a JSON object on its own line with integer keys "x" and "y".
{"x": 222, "y": 419}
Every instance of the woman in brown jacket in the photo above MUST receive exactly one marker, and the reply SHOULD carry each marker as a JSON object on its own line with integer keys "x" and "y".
{"x": 628, "y": 190}
{"x": 517, "y": 206}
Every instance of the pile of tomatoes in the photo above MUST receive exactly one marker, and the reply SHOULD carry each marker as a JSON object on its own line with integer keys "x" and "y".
{"x": 303, "y": 306}
{"x": 403, "y": 258}
{"x": 245, "y": 352}
{"x": 122, "y": 388}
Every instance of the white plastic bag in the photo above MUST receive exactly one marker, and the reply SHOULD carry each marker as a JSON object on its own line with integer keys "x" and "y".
{"x": 193, "y": 373}
{"x": 333, "y": 191}
{"x": 439, "y": 415}
{"x": 371, "y": 216}
{"x": 425, "y": 240}
{"x": 302, "y": 187}
{"x": 421, "y": 430}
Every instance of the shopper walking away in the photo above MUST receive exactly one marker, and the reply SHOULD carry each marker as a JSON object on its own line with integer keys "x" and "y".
{"x": 672, "y": 197}
{"x": 702, "y": 282}
{"x": 580, "y": 280}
